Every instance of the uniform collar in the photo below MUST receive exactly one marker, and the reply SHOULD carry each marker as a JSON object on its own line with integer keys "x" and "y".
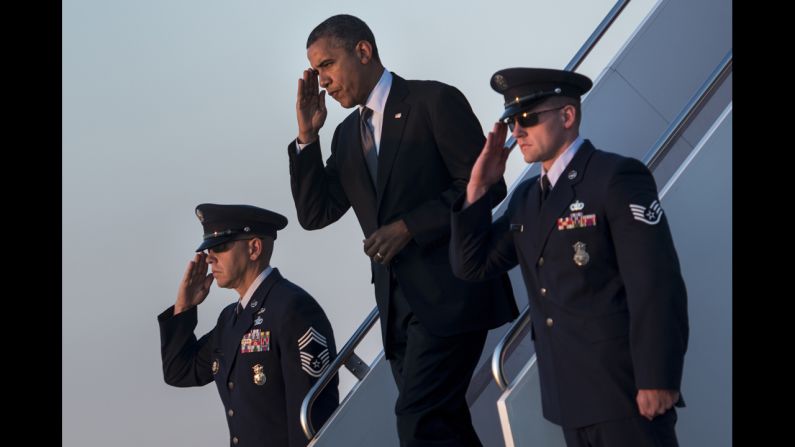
{"x": 563, "y": 160}
{"x": 254, "y": 285}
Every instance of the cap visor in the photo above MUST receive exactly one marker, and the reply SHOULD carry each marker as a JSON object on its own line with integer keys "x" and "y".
{"x": 509, "y": 112}
{"x": 212, "y": 242}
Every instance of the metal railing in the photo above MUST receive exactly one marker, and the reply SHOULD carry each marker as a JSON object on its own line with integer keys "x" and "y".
{"x": 661, "y": 147}
{"x": 652, "y": 159}
{"x": 586, "y": 47}
{"x": 500, "y": 352}
{"x": 346, "y": 357}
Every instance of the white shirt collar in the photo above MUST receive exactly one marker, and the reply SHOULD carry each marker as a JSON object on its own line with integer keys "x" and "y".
{"x": 377, "y": 99}
{"x": 254, "y": 285}
{"x": 557, "y": 168}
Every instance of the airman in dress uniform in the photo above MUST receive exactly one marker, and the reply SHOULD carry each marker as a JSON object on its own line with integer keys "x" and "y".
{"x": 267, "y": 349}
{"x": 607, "y": 299}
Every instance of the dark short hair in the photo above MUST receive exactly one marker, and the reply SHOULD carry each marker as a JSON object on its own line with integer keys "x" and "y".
{"x": 347, "y": 29}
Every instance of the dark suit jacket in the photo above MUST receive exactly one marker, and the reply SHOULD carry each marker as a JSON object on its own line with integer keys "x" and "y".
{"x": 602, "y": 329}
{"x": 430, "y": 139}
{"x": 284, "y": 334}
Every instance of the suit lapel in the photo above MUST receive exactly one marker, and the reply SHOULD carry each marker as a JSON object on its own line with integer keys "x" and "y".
{"x": 395, "y": 115}
{"x": 231, "y": 344}
{"x": 561, "y": 196}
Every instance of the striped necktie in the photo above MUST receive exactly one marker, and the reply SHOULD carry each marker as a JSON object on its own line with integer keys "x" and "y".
{"x": 368, "y": 143}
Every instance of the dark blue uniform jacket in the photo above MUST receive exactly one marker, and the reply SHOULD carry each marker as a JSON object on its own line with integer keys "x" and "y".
{"x": 607, "y": 298}
{"x": 263, "y": 361}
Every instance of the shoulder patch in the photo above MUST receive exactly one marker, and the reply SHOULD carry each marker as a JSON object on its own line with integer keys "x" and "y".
{"x": 650, "y": 215}
{"x": 313, "y": 350}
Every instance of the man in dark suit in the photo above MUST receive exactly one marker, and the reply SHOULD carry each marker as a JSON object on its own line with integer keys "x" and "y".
{"x": 266, "y": 350}
{"x": 608, "y": 303}
{"x": 399, "y": 160}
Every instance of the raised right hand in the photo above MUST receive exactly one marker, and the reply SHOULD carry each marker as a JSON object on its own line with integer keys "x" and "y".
{"x": 490, "y": 165}
{"x": 310, "y": 107}
{"x": 195, "y": 285}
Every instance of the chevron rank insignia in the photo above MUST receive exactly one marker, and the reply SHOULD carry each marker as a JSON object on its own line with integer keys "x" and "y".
{"x": 313, "y": 349}
{"x": 256, "y": 340}
{"x": 650, "y": 215}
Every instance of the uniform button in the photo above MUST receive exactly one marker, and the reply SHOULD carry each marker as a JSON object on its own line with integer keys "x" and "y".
{"x": 235, "y": 440}
{"x": 231, "y": 412}
{"x": 550, "y": 322}
{"x": 543, "y": 292}
{"x": 231, "y": 385}
{"x": 540, "y": 262}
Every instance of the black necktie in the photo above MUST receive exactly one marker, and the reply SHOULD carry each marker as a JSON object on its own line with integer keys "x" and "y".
{"x": 238, "y": 310}
{"x": 368, "y": 143}
{"x": 545, "y": 188}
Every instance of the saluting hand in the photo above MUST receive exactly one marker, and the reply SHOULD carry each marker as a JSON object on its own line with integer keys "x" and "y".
{"x": 490, "y": 165}
{"x": 653, "y": 403}
{"x": 195, "y": 285}
{"x": 387, "y": 241}
{"x": 310, "y": 107}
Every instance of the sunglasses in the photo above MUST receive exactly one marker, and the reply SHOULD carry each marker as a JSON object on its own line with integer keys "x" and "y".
{"x": 220, "y": 248}
{"x": 526, "y": 119}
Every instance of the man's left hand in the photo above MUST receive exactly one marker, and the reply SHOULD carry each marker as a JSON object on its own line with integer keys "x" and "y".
{"x": 653, "y": 403}
{"x": 386, "y": 242}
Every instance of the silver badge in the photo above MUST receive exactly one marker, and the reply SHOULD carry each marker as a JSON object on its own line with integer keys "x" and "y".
{"x": 500, "y": 81}
{"x": 261, "y": 311}
{"x": 577, "y": 206}
{"x": 581, "y": 257}
{"x": 215, "y": 366}
{"x": 259, "y": 374}
{"x": 572, "y": 174}
{"x": 258, "y": 321}
{"x": 254, "y": 304}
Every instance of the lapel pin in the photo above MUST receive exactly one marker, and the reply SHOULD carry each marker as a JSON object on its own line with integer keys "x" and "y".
{"x": 254, "y": 304}
{"x": 572, "y": 174}
{"x": 398, "y": 115}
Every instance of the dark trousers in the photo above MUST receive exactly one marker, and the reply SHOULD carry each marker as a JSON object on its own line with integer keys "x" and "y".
{"x": 432, "y": 376}
{"x": 632, "y": 432}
